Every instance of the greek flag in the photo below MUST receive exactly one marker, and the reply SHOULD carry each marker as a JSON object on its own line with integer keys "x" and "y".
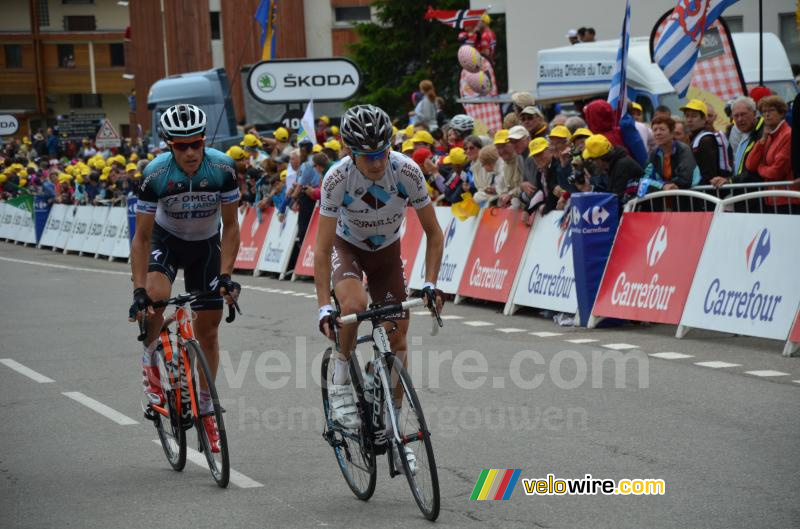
{"x": 677, "y": 47}
{"x": 617, "y": 94}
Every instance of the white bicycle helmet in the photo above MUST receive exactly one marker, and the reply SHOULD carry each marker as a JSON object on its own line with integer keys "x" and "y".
{"x": 182, "y": 120}
{"x": 462, "y": 123}
{"x": 366, "y": 128}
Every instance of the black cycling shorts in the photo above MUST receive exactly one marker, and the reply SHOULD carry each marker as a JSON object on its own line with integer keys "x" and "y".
{"x": 200, "y": 261}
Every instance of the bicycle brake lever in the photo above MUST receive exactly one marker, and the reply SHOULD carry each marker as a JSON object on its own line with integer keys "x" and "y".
{"x": 142, "y": 326}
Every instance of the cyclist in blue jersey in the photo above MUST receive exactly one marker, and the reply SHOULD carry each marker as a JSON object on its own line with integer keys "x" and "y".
{"x": 363, "y": 205}
{"x": 184, "y": 194}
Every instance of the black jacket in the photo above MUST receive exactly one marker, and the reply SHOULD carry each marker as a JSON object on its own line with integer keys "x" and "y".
{"x": 741, "y": 174}
{"x": 622, "y": 169}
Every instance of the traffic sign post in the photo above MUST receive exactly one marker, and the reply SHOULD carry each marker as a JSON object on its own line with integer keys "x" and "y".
{"x": 107, "y": 136}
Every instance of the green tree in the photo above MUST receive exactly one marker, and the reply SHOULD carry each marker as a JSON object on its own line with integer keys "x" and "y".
{"x": 401, "y": 49}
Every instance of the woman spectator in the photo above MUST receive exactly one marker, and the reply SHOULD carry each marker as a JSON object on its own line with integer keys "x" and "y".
{"x": 489, "y": 170}
{"x": 671, "y": 162}
{"x": 771, "y": 155}
{"x": 425, "y": 111}
{"x": 473, "y": 146}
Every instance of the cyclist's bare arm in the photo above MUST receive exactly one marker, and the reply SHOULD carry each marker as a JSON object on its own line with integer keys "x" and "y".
{"x": 435, "y": 244}
{"x": 229, "y": 243}
{"x": 140, "y": 249}
{"x": 326, "y": 233}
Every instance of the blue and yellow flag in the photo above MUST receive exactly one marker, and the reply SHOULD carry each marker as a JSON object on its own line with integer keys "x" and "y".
{"x": 267, "y": 16}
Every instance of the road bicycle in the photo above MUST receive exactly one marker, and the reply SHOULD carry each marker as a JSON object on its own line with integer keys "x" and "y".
{"x": 180, "y": 410}
{"x": 356, "y": 450}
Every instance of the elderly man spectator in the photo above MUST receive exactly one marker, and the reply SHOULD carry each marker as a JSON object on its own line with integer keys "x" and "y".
{"x": 750, "y": 128}
{"x": 771, "y": 156}
{"x": 546, "y": 191}
{"x": 486, "y": 176}
{"x": 509, "y": 186}
{"x": 534, "y": 122}
{"x": 574, "y": 123}
{"x": 710, "y": 153}
{"x": 614, "y": 168}
{"x": 521, "y": 101}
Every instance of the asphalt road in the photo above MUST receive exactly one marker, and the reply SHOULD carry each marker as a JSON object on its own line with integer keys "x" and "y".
{"x": 723, "y": 438}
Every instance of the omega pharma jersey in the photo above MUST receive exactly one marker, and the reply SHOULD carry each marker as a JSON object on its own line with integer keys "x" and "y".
{"x": 188, "y": 208}
{"x": 370, "y": 213}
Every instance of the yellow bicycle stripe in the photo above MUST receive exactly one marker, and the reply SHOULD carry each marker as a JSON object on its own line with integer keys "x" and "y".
{"x": 487, "y": 485}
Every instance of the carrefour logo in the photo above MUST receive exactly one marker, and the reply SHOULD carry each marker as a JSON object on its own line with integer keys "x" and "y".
{"x": 758, "y": 250}
{"x": 501, "y": 236}
{"x": 564, "y": 243}
{"x": 450, "y": 232}
{"x": 596, "y": 216}
{"x": 657, "y": 246}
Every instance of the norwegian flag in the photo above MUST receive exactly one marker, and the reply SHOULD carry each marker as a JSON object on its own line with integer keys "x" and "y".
{"x": 459, "y": 19}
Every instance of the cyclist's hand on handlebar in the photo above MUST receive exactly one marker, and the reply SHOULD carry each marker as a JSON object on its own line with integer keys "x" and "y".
{"x": 326, "y": 321}
{"x": 141, "y": 301}
{"x": 432, "y": 295}
{"x": 228, "y": 288}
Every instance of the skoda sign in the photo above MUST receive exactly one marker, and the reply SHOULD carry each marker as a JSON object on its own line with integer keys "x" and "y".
{"x": 8, "y": 125}
{"x": 286, "y": 81}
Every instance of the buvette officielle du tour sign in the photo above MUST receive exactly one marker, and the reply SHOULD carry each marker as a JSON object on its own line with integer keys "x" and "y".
{"x": 282, "y": 81}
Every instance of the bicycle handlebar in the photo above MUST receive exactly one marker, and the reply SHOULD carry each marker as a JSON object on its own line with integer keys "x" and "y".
{"x": 183, "y": 299}
{"x": 386, "y": 310}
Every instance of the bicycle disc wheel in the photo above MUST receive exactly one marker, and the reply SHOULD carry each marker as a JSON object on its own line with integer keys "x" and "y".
{"x": 356, "y": 458}
{"x": 170, "y": 432}
{"x": 413, "y": 432}
{"x": 218, "y": 462}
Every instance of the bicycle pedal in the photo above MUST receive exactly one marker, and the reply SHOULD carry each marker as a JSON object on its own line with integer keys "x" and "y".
{"x": 150, "y": 414}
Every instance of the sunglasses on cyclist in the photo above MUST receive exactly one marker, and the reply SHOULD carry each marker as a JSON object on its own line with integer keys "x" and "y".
{"x": 372, "y": 156}
{"x": 185, "y": 146}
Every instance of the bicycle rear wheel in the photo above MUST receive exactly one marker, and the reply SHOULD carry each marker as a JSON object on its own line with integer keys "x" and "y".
{"x": 170, "y": 432}
{"x": 218, "y": 462}
{"x": 355, "y": 456}
{"x": 413, "y": 432}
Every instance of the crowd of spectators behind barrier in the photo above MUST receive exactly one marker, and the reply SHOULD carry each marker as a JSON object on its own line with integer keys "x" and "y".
{"x": 530, "y": 164}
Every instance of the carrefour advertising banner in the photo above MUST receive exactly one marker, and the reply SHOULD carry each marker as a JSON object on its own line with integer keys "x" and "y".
{"x": 594, "y": 218}
{"x": 458, "y": 235}
{"x": 747, "y": 281}
{"x": 547, "y": 277}
{"x": 651, "y": 266}
{"x": 495, "y": 255}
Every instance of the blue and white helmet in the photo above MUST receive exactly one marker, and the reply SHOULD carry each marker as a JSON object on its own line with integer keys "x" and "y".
{"x": 182, "y": 120}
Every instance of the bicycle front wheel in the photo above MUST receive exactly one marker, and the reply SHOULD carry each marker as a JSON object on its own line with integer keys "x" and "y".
{"x": 218, "y": 462}
{"x": 354, "y": 454}
{"x": 414, "y": 434}
{"x": 170, "y": 432}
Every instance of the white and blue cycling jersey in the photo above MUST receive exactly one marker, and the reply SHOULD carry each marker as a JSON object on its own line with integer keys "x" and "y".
{"x": 188, "y": 208}
{"x": 370, "y": 213}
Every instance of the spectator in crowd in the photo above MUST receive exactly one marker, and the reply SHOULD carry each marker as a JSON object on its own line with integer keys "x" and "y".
{"x": 321, "y": 131}
{"x": 615, "y": 170}
{"x": 711, "y": 156}
{"x": 589, "y": 35}
{"x": 425, "y": 111}
{"x": 559, "y": 140}
{"x": 472, "y": 147}
{"x": 461, "y": 126}
{"x": 533, "y": 120}
{"x": 600, "y": 118}
{"x": 671, "y": 165}
{"x": 582, "y": 34}
{"x": 487, "y": 42}
{"x": 545, "y": 192}
{"x": 771, "y": 156}
{"x": 458, "y": 181}
{"x": 407, "y": 148}
{"x": 680, "y": 133}
{"x": 53, "y": 144}
{"x": 558, "y": 119}
{"x": 662, "y": 111}
{"x": 509, "y": 186}
{"x": 423, "y": 138}
{"x": 280, "y": 143}
{"x": 510, "y": 120}
{"x": 572, "y": 36}
{"x": 486, "y": 176}
{"x": 636, "y": 110}
{"x": 520, "y": 101}
{"x": 574, "y": 123}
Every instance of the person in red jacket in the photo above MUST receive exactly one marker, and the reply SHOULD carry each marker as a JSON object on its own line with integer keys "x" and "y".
{"x": 771, "y": 156}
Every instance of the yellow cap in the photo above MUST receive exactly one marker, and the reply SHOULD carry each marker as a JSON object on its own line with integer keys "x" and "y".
{"x": 597, "y": 145}
{"x": 130, "y": 167}
{"x": 316, "y": 148}
{"x": 104, "y": 177}
{"x": 333, "y": 144}
{"x": 457, "y": 156}
{"x": 582, "y": 132}
{"x": 106, "y": 170}
{"x": 3, "y": 178}
{"x": 423, "y": 136}
{"x": 119, "y": 159}
{"x": 137, "y": 174}
{"x": 334, "y": 130}
{"x": 501, "y": 137}
{"x": 79, "y": 179}
{"x": 636, "y": 106}
{"x": 409, "y": 131}
{"x": 236, "y": 152}
{"x": 134, "y": 157}
{"x": 408, "y": 145}
{"x": 250, "y": 140}
{"x": 281, "y": 134}
{"x": 26, "y": 140}
{"x": 325, "y": 119}
{"x": 695, "y": 104}
{"x": 23, "y": 182}
{"x": 283, "y": 174}
{"x": 22, "y": 173}
{"x": 560, "y": 131}
{"x": 98, "y": 164}
{"x": 486, "y": 19}
{"x": 150, "y": 156}
{"x": 538, "y": 146}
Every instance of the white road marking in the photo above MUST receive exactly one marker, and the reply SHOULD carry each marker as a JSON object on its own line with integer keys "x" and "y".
{"x": 581, "y": 340}
{"x": 27, "y": 371}
{"x": 421, "y": 312}
{"x": 796, "y": 381}
{"x": 767, "y": 373}
{"x": 299, "y": 294}
{"x": 286, "y": 291}
{"x": 716, "y": 364}
{"x": 65, "y": 267}
{"x": 509, "y": 330}
{"x": 99, "y": 407}
{"x": 620, "y": 346}
{"x": 311, "y": 296}
{"x": 478, "y": 323}
{"x": 452, "y": 317}
{"x": 546, "y": 334}
{"x": 237, "y": 478}
{"x": 671, "y": 356}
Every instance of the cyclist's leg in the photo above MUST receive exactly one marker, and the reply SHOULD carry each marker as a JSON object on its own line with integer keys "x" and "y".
{"x": 346, "y": 274}
{"x": 161, "y": 270}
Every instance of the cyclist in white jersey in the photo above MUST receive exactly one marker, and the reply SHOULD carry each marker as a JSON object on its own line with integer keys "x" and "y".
{"x": 363, "y": 203}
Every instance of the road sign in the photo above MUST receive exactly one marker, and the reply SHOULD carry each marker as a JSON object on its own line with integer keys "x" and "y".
{"x": 107, "y": 136}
